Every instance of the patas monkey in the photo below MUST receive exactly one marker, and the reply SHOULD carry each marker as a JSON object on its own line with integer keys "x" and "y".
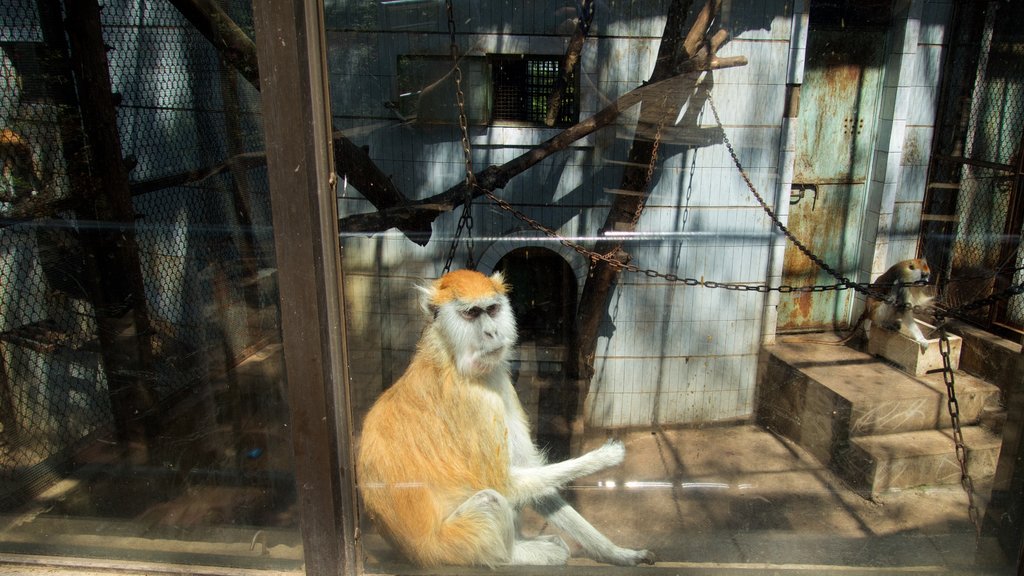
{"x": 446, "y": 460}
{"x": 903, "y": 290}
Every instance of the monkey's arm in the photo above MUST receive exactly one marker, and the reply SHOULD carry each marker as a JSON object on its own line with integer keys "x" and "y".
{"x": 530, "y": 483}
{"x": 597, "y": 545}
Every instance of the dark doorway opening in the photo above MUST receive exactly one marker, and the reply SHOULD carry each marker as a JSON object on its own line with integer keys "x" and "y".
{"x": 543, "y": 297}
{"x": 543, "y": 294}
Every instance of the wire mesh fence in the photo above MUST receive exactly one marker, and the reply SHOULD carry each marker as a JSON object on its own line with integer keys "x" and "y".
{"x": 75, "y": 338}
{"x": 975, "y": 202}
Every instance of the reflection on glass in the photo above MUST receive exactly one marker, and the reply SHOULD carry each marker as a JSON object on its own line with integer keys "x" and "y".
{"x": 658, "y": 297}
{"x": 143, "y": 412}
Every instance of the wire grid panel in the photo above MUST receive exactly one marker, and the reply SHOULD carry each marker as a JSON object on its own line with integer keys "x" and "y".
{"x": 204, "y": 245}
{"x": 52, "y": 391}
{"x": 990, "y": 203}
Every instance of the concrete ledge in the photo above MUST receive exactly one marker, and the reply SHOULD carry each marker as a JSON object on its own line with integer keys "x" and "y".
{"x": 876, "y": 464}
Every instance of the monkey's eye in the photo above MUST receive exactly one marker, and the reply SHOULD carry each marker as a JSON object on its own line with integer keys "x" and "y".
{"x": 493, "y": 309}
{"x": 472, "y": 313}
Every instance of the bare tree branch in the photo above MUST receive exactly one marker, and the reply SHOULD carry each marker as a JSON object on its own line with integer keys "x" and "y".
{"x": 572, "y": 55}
{"x": 417, "y": 214}
{"x": 233, "y": 44}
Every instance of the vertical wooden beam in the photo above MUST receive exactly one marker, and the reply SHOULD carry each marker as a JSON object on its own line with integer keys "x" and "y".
{"x": 290, "y": 47}
{"x": 113, "y": 266}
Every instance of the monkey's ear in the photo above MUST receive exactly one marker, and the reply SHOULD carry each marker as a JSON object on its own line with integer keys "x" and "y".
{"x": 498, "y": 280}
{"x": 425, "y": 297}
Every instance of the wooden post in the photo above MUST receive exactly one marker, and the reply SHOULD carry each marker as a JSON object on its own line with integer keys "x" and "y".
{"x": 291, "y": 49}
{"x": 115, "y": 274}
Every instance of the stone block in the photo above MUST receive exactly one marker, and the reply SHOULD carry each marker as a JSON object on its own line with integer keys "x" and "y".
{"x": 877, "y": 464}
{"x": 903, "y": 351}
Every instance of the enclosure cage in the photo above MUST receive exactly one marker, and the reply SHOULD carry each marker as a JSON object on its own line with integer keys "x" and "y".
{"x": 219, "y": 220}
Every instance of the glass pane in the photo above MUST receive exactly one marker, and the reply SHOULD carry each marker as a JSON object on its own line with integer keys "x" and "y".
{"x": 143, "y": 412}
{"x": 754, "y": 439}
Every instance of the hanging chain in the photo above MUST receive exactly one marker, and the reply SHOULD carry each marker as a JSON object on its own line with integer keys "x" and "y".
{"x": 466, "y": 218}
{"x": 958, "y": 436}
{"x": 843, "y": 280}
{"x": 875, "y": 291}
{"x": 652, "y": 164}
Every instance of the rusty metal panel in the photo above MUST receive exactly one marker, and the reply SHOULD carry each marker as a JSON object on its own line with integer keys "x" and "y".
{"x": 838, "y": 109}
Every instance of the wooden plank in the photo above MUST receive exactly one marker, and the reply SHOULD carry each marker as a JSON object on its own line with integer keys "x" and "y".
{"x": 296, "y": 117}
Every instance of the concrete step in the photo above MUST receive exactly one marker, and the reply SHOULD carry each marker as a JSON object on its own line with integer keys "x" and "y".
{"x": 876, "y": 464}
{"x": 826, "y": 398}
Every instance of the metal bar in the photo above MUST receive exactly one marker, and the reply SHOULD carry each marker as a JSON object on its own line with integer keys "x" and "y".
{"x": 291, "y": 50}
{"x": 974, "y": 162}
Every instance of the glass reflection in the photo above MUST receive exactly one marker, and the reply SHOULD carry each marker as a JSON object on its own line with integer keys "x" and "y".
{"x": 659, "y": 299}
{"x": 142, "y": 406}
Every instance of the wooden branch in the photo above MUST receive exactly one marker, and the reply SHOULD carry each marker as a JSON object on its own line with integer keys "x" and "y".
{"x": 243, "y": 161}
{"x": 572, "y": 55}
{"x": 233, "y": 44}
{"x": 417, "y": 214}
{"x": 625, "y": 211}
{"x": 239, "y": 51}
{"x": 414, "y": 218}
{"x": 354, "y": 163}
{"x": 698, "y": 31}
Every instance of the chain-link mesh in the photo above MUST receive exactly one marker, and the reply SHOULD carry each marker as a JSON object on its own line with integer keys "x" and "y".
{"x": 204, "y": 243}
{"x": 975, "y": 201}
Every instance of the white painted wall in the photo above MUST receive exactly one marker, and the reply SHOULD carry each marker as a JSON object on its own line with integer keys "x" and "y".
{"x": 668, "y": 353}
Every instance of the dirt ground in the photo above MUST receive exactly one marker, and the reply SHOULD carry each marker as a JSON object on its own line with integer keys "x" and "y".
{"x": 739, "y": 499}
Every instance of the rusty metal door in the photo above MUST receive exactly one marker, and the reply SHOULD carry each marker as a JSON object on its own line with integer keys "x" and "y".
{"x": 838, "y": 108}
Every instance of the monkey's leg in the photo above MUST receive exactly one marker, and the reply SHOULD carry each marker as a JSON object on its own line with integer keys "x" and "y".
{"x": 531, "y": 483}
{"x": 913, "y": 330}
{"x": 600, "y": 548}
{"x": 481, "y": 531}
{"x": 545, "y": 550}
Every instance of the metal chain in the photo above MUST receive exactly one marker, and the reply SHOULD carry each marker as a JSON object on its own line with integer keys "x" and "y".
{"x": 652, "y": 164}
{"x": 466, "y": 218}
{"x": 778, "y": 223}
{"x": 876, "y": 291}
{"x": 958, "y": 436}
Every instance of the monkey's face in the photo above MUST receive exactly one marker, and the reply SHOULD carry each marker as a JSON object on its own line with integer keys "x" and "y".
{"x": 480, "y": 333}
{"x": 916, "y": 270}
{"x": 473, "y": 319}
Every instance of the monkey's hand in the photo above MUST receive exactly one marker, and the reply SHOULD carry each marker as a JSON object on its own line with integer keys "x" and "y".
{"x": 627, "y": 557}
{"x": 612, "y": 453}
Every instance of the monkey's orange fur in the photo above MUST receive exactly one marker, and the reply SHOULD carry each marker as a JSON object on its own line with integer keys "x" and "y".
{"x": 15, "y": 150}
{"x": 465, "y": 285}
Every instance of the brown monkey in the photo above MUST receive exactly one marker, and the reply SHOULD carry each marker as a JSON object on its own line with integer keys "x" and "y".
{"x": 903, "y": 291}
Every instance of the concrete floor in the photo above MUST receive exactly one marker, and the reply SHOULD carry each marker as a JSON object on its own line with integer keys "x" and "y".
{"x": 738, "y": 499}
